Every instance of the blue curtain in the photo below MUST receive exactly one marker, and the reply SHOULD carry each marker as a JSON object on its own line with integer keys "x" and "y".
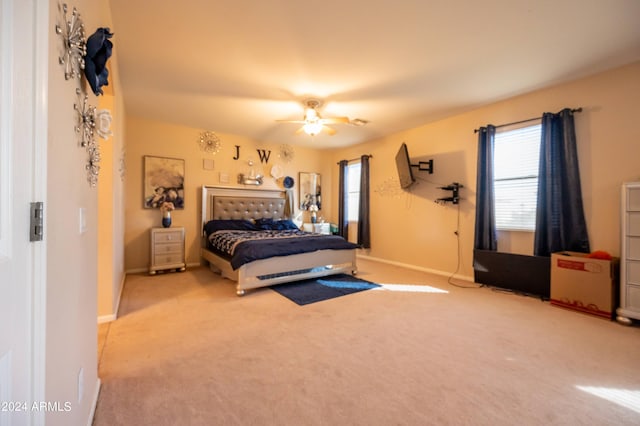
{"x": 364, "y": 234}
{"x": 560, "y": 222}
{"x": 343, "y": 217}
{"x": 485, "y": 233}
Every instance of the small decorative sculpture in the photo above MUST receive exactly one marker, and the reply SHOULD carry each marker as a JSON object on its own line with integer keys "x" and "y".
{"x": 93, "y": 168}
{"x": 74, "y": 44}
{"x": 86, "y": 119}
{"x": 209, "y": 142}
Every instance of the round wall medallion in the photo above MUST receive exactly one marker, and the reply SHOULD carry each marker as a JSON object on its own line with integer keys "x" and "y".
{"x": 288, "y": 182}
{"x": 209, "y": 142}
{"x": 276, "y": 172}
{"x": 286, "y": 153}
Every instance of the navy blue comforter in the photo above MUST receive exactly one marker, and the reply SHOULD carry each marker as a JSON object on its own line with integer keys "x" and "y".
{"x": 247, "y": 246}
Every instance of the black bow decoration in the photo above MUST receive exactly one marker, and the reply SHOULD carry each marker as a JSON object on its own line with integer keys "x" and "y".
{"x": 99, "y": 49}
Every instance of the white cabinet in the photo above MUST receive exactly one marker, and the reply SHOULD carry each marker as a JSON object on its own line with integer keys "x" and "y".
{"x": 630, "y": 254}
{"x": 167, "y": 249}
{"x": 318, "y": 228}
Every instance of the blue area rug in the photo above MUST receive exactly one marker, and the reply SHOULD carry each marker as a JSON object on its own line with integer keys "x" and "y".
{"x": 318, "y": 289}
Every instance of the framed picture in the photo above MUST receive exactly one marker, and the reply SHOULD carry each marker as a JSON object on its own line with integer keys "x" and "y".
{"x": 163, "y": 182}
{"x": 310, "y": 191}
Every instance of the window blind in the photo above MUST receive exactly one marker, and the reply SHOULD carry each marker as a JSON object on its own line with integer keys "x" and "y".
{"x": 516, "y": 161}
{"x": 353, "y": 183}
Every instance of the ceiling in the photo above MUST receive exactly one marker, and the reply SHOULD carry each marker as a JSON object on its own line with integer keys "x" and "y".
{"x": 237, "y": 66}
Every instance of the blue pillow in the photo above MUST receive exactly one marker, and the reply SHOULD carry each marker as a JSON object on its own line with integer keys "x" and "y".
{"x": 269, "y": 224}
{"x": 265, "y": 223}
{"x": 228, "y": 225}
{"x": 285, "y": 224}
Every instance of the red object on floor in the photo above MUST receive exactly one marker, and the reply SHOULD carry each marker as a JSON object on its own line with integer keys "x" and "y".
{"x": 600, "y": 254}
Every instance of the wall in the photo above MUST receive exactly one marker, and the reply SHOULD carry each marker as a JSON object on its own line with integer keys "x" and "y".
{"x": 72, "y": 265}
{"x": 154, "y": 138}
{"x": 111, "y": 201}
{"x": 409, "y": 228}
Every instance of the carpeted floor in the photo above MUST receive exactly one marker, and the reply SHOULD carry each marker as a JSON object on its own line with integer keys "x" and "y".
{"x": 418, "y": 351}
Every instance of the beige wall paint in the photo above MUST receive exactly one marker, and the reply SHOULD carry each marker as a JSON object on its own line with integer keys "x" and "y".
{"x": 410, "y": 228}
{"x": 72, "y": 256}
{"x": 111, "y": 201}
{"x": 148, "y": 137}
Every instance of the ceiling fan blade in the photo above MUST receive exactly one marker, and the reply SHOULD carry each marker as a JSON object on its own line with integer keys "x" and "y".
{"x": 329, "y": 130}
{"x": 291, "y": 121}
{"x": 358, "y": 122}
{"x": 335, "y": 120}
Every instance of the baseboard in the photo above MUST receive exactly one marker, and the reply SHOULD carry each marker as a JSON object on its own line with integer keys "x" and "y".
{"x": 114, "y": 316}
{"x": 146, "y": 270}
{"x": 94, "y": 403}
{"x": 107, "y": 318}
{"x": 417, "y": 268}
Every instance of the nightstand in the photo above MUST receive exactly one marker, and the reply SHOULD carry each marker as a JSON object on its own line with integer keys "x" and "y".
{"x": 318, "y": 228}
{"x": 167, "y": 249}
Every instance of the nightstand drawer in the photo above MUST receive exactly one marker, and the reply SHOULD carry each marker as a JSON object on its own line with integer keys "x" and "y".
{"x": 168, "y": 248}
{"x": 168, "y": 259}
{"x": 167, "y": 237}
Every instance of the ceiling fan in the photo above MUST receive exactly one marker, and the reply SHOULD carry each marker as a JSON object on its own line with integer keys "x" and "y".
{"x": 313, "y": 123}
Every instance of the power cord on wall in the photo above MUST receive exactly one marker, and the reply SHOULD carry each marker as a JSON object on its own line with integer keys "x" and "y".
{"x": 459, "y": 257}
{"x": 457, "y": 233}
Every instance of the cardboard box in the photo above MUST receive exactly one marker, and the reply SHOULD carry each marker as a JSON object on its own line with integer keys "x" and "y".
{"x": 584, "y": 284}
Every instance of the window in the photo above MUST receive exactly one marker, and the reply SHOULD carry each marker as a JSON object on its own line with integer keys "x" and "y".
{"x": 516, "y": 159}
{"x": 353, "y": 192}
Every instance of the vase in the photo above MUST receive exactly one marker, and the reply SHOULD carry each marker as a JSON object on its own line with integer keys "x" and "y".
{"x": 166, "y": 219}
{"x": 314, "y": 219}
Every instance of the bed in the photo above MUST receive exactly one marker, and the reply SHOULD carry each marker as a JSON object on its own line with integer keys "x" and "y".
{"x": 236, "y": 205}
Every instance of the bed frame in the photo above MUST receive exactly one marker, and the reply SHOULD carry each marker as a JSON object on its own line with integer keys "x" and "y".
{"x": 232, "y": 203}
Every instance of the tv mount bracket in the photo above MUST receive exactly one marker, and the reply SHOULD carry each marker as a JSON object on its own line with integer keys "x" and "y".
{"x": 455, "y": 193}
{"x": 424, "y": 166}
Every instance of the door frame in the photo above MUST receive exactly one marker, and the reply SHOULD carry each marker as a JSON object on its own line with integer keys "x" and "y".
{"x": 41, "y": 31}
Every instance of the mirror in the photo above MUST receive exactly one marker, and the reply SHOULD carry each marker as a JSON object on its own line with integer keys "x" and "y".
{"x": 310, "y": 191}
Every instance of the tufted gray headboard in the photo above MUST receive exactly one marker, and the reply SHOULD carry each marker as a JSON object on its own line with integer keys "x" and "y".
{"x": 247, "y": 208}
{"x": 241, "y": 203}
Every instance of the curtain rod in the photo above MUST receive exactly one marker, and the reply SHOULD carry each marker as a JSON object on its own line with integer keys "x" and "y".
{"x": 354, "y": 159}
{"x": 525, "y": 121}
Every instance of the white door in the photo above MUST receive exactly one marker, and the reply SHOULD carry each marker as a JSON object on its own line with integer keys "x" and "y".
{"x": 20, "y": 379}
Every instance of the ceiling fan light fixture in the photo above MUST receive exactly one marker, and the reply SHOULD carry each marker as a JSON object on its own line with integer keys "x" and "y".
{"x": 312, "y": 128}
{"x": 311, "y": 114}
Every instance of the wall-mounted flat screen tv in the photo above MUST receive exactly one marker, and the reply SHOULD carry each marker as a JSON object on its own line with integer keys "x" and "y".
{"x": 403, "y": 164}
